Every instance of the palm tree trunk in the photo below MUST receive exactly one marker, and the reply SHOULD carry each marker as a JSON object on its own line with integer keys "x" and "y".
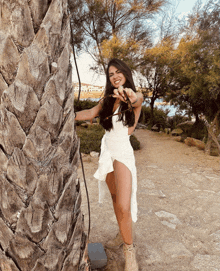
{"x": 41, "y": 224}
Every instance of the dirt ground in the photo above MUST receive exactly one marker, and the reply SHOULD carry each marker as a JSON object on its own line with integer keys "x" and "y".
{"x": 178, "y": 227}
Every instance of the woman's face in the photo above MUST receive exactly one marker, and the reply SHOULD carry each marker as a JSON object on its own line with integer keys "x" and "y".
{"x": 116, "y": 77}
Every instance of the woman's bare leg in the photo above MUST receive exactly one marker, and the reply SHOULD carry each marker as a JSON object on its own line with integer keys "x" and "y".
{"x": 110, "y": 180}
{"x": 121, "y": 198}
{"x": 123, "y": 183}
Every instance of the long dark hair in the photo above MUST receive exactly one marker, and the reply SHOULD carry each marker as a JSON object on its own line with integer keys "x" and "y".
{"x": 127, "y": 117}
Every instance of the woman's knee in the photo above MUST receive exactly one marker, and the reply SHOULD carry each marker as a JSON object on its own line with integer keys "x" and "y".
{"x": 123, "y": 209}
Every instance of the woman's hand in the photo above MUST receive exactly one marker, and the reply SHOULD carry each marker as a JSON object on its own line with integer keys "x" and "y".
{"x": 119, "y": 93}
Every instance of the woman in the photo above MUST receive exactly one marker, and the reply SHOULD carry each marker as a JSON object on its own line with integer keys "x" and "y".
{"x": 116, "y": 161}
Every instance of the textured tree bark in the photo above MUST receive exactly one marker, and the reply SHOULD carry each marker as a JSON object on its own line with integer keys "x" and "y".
{"x": 41, "y": 224}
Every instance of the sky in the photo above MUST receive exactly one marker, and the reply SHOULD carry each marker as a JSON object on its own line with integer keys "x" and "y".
{"x": 84, "y": 61}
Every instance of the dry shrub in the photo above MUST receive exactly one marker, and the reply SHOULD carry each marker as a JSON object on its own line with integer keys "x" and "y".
{"x": 200, "y": 145}
{"x": 177, "y": 138}
{"x": 195, "y": 142}
{"x": 189, "y": 141}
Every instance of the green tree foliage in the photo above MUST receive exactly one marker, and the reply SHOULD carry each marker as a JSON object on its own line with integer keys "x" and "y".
{"x": 155, "y": 68}
{"x": 197, "y": 70}
{"x": 112, "y": 23}
{"x": 188, "y": 77}
{"x": 160, "y": 116}
{"x": 84, "y": 104}
{"x": 76, "y": 13}
{"x": 175, "y": 120}
{"x": 90, "y": 138}
{"x": 156, "y": 61}
{"x": 127, "y": 49}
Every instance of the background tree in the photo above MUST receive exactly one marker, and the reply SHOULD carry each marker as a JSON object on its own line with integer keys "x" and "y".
{"x": 209, "y": 26}
{"x": 186, "y": 92}
{"x": 197, "y": 58}
{"x": 76, "y": 14}
{"x": 41, "y": 224}
{"x": 157, "y": 60}
{"x": 155, "y": 69}
{"x": 117, "y": 21}
{"x": 197, "y": 73}
{"x": 128, "y": 50}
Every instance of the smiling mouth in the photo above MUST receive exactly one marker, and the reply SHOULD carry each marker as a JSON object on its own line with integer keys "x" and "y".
{"x": 118, "y": 81}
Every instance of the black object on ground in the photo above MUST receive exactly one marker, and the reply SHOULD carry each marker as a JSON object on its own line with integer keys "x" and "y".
{"x": 97, "y": 255}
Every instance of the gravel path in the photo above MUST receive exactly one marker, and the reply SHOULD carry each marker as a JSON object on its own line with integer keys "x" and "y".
{"x": 178, "y": 227}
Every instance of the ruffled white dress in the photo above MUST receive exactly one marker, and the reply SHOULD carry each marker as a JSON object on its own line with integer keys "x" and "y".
{"x": 116, "y": 145}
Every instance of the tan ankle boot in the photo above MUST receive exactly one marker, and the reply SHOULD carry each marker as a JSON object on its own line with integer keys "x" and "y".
{"x": 130, "y": 258}
{"x": 116, "y": 242}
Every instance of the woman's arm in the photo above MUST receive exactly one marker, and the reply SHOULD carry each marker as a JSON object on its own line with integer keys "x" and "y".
{"x": 136, "y": 98}
{"x": 88, "y": 114}
{"x": 138, "y": 101}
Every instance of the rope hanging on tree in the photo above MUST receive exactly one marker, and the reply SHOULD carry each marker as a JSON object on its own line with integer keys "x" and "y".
{"x": 84, "y": 178}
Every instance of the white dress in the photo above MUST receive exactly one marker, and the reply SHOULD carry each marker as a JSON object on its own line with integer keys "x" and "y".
{"x": 116, "y": 145}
